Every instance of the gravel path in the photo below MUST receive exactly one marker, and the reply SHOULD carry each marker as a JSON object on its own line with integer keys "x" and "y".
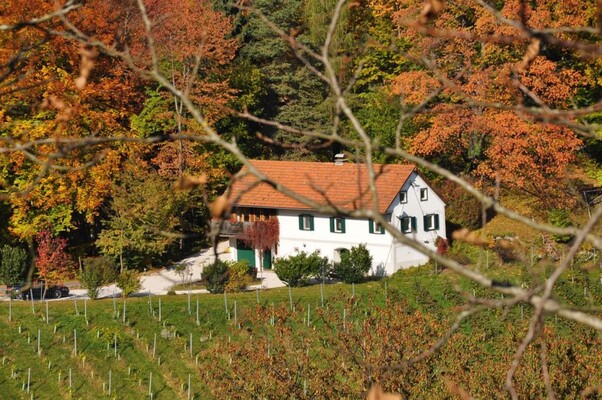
{"x": 159, "y": 282}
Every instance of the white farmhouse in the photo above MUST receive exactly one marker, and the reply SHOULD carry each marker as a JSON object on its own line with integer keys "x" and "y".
{"x": 403, "y": 198}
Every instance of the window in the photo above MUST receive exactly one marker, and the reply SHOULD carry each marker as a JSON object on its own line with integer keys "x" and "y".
{"x": 375, "y": 227}
{"x": 337, "y": 224}
{"x": 306, "y": 222}
{"x": 424, "y": 194}
{"x": 403, "y": 197}
{"x": 431, "y": 222}
{"x": 408, "y": 224}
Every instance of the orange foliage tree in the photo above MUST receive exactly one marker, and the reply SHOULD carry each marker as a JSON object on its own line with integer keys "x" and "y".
{"x": 53, "y": 262}
{"x": 481, "y": 72}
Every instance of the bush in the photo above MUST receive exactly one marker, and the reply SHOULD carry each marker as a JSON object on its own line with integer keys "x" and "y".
{"x": 97, "y": 271}
{"x": 215, "y": 276}
{"x": 128, "y": 282}
{"x": 13, "y": 264}
{"x": 354, "y": 264}
{"x": 296, "y": 270}
{"x": 560, "y": 217}
{"x": 239, "y": 276}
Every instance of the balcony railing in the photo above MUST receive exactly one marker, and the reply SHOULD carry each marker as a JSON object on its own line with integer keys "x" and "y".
{"x": 229, "y": 228}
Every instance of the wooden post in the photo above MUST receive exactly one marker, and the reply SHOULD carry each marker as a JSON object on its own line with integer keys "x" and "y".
{"x": 75, "y": 305}
{"x": 226, "y": 304}
{"x": 150, "y": 384}
{"x": 75, "y": 341}
{"x": 39, "y": 348}
{"x": 198, "y": 321}
{"x": 160, "y": 311}
{"x": 10, "y": 309}
{"x": 28, "y": 378}
{"x": 110, "y": 382}
{"x": 86, "y": 310}
{"x": 322, "y": 294}
{"x": 189, "y": 309}
{"x": 290, "y": 297}
{"x": 124, "y": 309}
{"x": 46, "y": 312}
{"x": 154, "y": 345}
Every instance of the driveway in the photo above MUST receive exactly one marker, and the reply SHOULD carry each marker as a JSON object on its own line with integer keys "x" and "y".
{"x": 159, "y": 282}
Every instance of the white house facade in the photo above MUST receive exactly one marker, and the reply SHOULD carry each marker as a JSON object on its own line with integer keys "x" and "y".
{"x": 405, "y": 200}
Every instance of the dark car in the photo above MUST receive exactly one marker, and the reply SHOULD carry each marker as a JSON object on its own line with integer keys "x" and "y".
{"x": 38, "y": 290}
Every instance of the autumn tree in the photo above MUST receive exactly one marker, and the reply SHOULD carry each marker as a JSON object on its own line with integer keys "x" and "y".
{"x": 144, "y": 219}
{"x": 53, "y": 262}
{"x": 459, "y": 130}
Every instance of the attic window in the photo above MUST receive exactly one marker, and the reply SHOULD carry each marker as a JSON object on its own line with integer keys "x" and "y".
{"x": 403, "y": 197}
{"x": 424, "y": 194}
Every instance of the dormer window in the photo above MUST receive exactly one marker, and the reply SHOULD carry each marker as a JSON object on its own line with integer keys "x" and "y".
{"x": 424, "y": 194}
{"x": 403, "y": 197}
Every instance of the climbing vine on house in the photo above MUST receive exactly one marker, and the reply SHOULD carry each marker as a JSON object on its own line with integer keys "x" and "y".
{"x": 261, "y": 235}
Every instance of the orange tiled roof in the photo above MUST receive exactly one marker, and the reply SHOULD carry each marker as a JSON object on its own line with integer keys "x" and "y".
{"x": 345, "y": 186}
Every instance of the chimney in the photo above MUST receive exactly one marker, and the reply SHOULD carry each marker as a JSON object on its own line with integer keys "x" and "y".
{"x": 339, "y": 159}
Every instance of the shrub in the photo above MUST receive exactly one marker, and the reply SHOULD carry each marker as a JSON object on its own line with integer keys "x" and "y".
{"x": 560, "y": 217}
{"x": 239, "y": 276}
{"x": 128, "y": 282}
{"x": 13, "y": 264}
{"x": 296, "y": 270}
{"x": 354, "y": 264}
{"x": 97, "y": 271}
{"x": 171, "y": 292}
{"x": 215, "y": 276}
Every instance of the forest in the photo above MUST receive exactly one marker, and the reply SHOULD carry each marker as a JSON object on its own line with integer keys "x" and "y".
{"x": 98, "y": 155}
{"x": 123, "y": 123}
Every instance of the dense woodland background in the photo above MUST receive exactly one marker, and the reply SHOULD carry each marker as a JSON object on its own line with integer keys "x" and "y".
{"x": 117, "y": 197}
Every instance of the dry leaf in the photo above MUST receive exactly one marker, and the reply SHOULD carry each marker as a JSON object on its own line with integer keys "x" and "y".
{"x": 187, "y": 182}
{"x": 430, "y": 10}
{"x": 219, "y": 207}
{"x": 468, "y": 236}
{"x": 376, "y": 393}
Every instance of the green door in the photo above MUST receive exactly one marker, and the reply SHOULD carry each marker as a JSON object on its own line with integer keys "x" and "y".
{"x": 245, "y": 253}
{"x": 267, "y": 259}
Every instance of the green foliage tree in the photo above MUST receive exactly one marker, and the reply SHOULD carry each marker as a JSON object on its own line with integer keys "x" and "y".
{"x": 97, "y": 271}
{"x": 354, "y": 264}
{"x": 144, "y": 211}
{"x": 128, "y": 282}
{"x": 215, "y": 276}
{"x": 13, "y": 264}
{"x": 296, "y": 270}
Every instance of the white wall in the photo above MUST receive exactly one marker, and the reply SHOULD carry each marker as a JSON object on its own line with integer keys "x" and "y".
{"x": 387, "y": 254}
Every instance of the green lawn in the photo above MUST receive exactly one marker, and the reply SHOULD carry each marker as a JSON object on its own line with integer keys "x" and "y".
{"x": 226, "y": 346}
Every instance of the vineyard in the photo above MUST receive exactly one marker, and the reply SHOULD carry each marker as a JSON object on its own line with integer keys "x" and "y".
{"x": 313, "y": 342}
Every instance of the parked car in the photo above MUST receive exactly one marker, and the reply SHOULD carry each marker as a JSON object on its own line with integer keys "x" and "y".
{"x": 38, "y": 290}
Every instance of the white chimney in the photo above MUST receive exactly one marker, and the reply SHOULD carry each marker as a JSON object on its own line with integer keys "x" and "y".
{"x": 339, "y": 159}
